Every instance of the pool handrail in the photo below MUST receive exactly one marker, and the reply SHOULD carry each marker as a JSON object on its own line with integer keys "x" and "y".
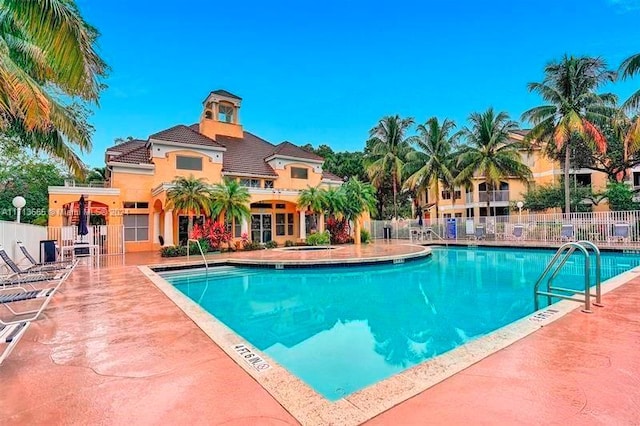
{"x": 206, "y": 265}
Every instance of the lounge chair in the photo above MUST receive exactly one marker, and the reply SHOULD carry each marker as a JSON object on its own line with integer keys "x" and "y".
{"x": 49, "y": 266}
{"x": 479, "y": 235}
{"x": 11, "y": 298}
{"x": 518, "y": 232}
{"x": 34, "y": 272}
{"x": 620, "y": 232}
{"x": 10, "y": 335}
{"x": 566, "y": 234}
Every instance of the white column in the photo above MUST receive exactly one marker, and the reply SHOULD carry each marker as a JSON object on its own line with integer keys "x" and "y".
{"x": 244, "y": 227}
{"x": 156, "y": 227}
{"x": 168, "y": 228}
{"x": 303, "y": 228}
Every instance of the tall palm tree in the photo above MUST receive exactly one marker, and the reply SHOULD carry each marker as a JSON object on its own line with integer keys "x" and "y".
{"x": 574, "y": 108}
{"x": 629, "y": 68}
{"x": 360, "y": 198}
{"x": 230, "y": 201}
{"x": 189, "y": 195}
{"x": 48, "y": 55}
{"x": 389, "y": 147}
{"x": 490, "y": 152}
{"x": 314, "y": 199}
{"x": 430, "y": 163}
{"x": 97, "y": 174}
{"x": 335, "y": 202}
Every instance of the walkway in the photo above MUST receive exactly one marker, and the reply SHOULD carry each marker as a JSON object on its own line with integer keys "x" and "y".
{"x": 115, "y": 350}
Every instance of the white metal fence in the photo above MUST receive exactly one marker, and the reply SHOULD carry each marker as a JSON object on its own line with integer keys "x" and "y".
{"x": 30, "y": 235}
{"x": 597, "y": 227}
{"x": 102, "y": 239}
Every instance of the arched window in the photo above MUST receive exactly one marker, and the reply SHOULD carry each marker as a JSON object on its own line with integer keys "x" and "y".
{"x": 208, "y": 114}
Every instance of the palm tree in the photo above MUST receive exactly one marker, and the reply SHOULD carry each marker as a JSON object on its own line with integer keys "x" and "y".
{"x": 569, "y": 87}
{"x": 629, "y": 68}
{"x": 389, "y": 146}
{"x": 230, "y": 201}
{"x": 430, "y": 163}
{"x": 360, "y": 198}
{"x": 490, "y": 152}
{"x": 314, "y": 199}
{"x": 189, "y": 195}
{"x": 335, "y": 202}
{"x": 48, "y": 55}
{"x": 97, "y": 174}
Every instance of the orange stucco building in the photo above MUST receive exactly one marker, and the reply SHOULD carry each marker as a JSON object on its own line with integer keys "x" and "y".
{"x": 472, "y": 202}
{"x": 139, "y": 173}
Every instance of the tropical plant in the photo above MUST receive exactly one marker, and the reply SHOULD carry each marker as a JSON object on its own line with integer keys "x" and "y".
{"x": 230, "y": 201}
{"x": 620, "y": 197}
{"x": 96, "y": 174}
{"x": 629, "y": 68}
{"x": 189, "y": 195}
{"x": 573, "y": 108}
{"x": 48, "y": 56}
{"x": 314, "y": 199}
{"x": 431, "y": 163}
{"x": 360, "y": 199}
{"x": 319, "y": 239}
{"x": 389, "y": 147}
{"x": 213, "y": 232}
{"x": 490, "y": 152}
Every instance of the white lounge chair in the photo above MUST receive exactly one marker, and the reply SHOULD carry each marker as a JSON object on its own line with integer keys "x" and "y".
{"x": 620, "y": 232}
{"x": 566, "y": 234}
{"x": 480, "y": 234}
{"x": 518, "y": 232}
{"x": 10, "y": 335}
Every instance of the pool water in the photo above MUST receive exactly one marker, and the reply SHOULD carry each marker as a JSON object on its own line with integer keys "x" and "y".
{"x": 342, "y": 329}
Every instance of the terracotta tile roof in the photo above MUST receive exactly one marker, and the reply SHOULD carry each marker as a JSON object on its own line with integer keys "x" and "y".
{"x": 222, "y": 92}
{"x": 185, "y": 135}
{"x": 288, "y": 149}
{"x": 132, "y": 152}
{"x": 331, "y": 176}
{"x": 246, "y": 155}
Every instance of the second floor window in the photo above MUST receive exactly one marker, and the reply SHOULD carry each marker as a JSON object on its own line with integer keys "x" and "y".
{"x": 299, "y": 173}
{"x": 188, "y": 163}
{"x": 250, "y": 183}
{"x": 225, "y": 113}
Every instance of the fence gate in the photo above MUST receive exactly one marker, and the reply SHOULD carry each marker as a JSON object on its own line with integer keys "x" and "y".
{"x": 103, "y": 239}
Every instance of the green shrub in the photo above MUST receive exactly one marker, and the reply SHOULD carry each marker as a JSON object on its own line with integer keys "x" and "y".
{"x": 319, "y": 239}
{"x": 252, "y": 245}
{"x": 173, "y": 251}
{"x": 365, "y": 236}
{"x": 271, "y": 244}
{"x": 289, "y": 243}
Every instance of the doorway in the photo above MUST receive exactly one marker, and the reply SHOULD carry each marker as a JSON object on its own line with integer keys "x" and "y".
{"x": 261, "y": 227}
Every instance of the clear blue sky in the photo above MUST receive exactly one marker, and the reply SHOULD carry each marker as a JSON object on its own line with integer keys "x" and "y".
{"x": 325, "y": 72}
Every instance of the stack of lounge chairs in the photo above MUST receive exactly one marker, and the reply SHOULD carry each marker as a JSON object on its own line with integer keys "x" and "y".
{"x": 24, "y": 295}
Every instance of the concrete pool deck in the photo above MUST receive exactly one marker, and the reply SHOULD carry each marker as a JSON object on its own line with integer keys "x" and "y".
{"x": 113, "y": 349}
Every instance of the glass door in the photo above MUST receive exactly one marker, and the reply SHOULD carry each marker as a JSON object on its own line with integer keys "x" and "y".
{"x": 261, "y": 227}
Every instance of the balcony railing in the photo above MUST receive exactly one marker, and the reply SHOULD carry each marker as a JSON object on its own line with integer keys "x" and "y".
{"x": 492, "y": 196}
{"x": 93, "y": 184}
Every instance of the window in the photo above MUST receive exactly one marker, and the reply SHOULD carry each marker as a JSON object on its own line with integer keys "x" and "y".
{"x": 136, "y": 227}
{"x": 260, "y": 206}
{"x": 280, "y": 206}
{"x": 470, "y": 212}
{"x": 636, "y": 179}
{"x": 136, "y": 205}
{"x": 207, "y": 114}
{"x": 583, "y": 179}
{"x": 188, "y": 163}
{"x": 250, "y": 183}
{"x": 284, "y": 223}
{"x": 457, "y": 194}
{"x": 446, "y": 195}
{"x": 299, "y": 173}
{"x": 289, "y": 223}
{"x": 245, "y": 182}
{"x": 225, "y": 113}
{"x": 268, "y": 183}
{"x": 235, "y": 227}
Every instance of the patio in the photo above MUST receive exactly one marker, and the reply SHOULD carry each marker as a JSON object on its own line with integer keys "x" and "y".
{"x": 113, "y": 349}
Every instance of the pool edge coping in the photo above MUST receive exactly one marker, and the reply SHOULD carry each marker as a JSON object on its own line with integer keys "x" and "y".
{"x": 309, "y": 407}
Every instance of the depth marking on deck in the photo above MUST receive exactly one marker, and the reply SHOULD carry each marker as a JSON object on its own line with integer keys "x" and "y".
{"x": 543, "y": 315}
{"x": 251, "y": 358}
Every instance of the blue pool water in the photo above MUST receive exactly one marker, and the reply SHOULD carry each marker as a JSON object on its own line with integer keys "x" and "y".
{"x": 342, "y": 329}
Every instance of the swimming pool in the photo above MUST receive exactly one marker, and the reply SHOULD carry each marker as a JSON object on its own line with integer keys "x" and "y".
{"x": 342, "y": 329}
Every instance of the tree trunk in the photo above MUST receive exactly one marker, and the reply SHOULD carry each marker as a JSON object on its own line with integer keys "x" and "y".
{"x": 395, "y": 198}
{"x": 567, "y": 186}
{"x": 189, "y": 228}
{"x": 356, "y": 232}
{"x": 437, "y": 199}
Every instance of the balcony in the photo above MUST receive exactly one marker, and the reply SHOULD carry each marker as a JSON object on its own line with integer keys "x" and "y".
{"x": 493, "y": 196}
{"x": 72, "y": 183}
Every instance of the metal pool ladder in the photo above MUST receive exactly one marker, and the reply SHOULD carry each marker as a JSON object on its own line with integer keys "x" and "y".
{"x": 201, "y": 252}
{"x": 554, "y": 267}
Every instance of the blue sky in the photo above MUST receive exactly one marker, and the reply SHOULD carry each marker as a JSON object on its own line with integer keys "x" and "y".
{"x": 325, "y": 72}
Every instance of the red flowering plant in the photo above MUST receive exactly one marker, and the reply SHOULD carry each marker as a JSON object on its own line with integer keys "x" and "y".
{"x": 339, "y": 230}
{"x": 213, "y": 232}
